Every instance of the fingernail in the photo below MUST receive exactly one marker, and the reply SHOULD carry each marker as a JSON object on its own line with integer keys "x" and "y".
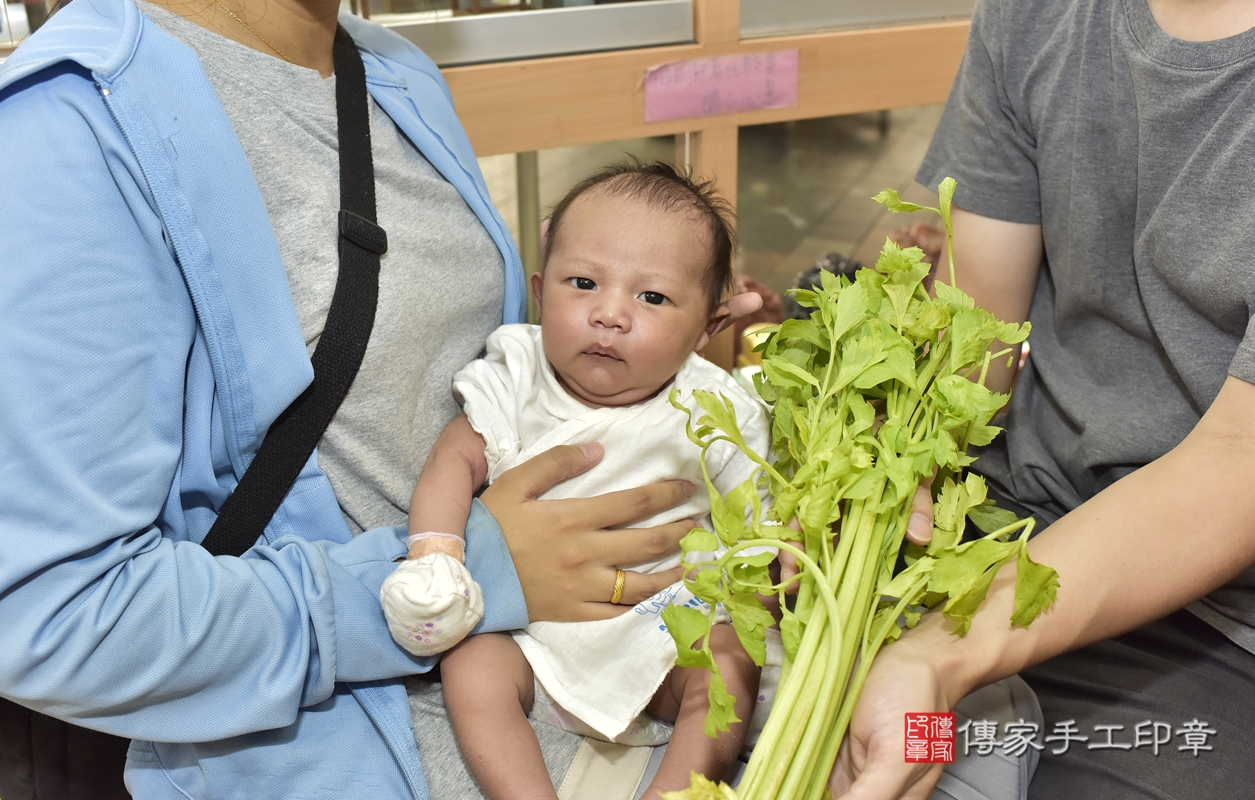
{"x": 590, "y": 449}
{"x": 688, "y": 488}
{"x": 919, "y": 526}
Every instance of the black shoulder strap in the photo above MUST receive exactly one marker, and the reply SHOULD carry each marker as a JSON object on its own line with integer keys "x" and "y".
{"x": 295, "y": 434}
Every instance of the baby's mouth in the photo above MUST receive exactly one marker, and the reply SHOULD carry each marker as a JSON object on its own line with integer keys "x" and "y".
{"x": 599, "y": 351}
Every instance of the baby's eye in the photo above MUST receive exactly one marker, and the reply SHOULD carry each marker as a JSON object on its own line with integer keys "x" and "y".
{"x": 587, "y": 284}
{"x": 653, "y": 298}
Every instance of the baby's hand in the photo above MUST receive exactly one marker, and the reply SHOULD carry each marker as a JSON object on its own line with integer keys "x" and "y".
{"x": 430, "y": 600}
{"x": 424, "y": 544}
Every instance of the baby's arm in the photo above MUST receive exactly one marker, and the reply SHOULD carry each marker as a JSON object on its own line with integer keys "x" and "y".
{"x": 430, "y": 601}
{"x": 441, "y": 503}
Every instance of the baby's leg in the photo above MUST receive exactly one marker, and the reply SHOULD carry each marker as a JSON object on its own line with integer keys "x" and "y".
{"x": 488, "y": 691}
{"x": 682, "y": 698}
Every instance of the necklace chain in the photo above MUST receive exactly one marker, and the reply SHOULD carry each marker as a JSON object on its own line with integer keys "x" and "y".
{"x": 233, "y": 16}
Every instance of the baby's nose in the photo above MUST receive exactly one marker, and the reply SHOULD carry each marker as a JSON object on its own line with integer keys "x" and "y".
{"x": 612, "y": 312}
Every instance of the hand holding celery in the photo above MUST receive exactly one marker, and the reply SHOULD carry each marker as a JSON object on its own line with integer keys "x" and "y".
{"x": 881, "y": 386}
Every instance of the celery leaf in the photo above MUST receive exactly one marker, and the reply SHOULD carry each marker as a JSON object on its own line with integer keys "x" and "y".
{"x": 790, "y": 632}
{"x": 686, "y": 625}
{"x": 750, "y": 620}
{"x": 702, "y": 788}
{"x": 721, "y": 714}
{"x": 1035, "y": 588}
{"x": 889, "y": 199}
{"x": 989, "y": 518}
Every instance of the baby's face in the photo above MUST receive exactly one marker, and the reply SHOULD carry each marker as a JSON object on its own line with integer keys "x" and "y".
{"x": 623, "y": 299}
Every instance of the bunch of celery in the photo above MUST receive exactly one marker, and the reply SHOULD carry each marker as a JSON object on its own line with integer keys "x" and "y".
{"x": 879, "y": 388}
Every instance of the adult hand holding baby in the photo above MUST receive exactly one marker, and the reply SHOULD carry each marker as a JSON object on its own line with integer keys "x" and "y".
{"x": 567, "y": 552}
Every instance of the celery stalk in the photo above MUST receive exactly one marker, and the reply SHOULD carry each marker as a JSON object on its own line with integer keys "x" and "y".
{"x": 882, "y": 386}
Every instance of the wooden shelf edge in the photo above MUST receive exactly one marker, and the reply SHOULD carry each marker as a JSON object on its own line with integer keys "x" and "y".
{"x": 556, "y": 102}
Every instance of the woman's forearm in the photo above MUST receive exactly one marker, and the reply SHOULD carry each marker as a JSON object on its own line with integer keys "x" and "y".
{"x": 1146, "y": 546}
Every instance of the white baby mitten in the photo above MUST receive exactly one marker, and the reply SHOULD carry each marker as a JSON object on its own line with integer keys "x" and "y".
{"x": 431, "y": 603}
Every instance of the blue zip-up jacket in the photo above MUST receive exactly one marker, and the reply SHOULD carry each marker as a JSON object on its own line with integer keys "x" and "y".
{"x": 147, "y": 340}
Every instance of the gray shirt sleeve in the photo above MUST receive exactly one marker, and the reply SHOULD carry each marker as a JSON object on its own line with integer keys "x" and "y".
{"x": 1243, "y": 363}
{"x": 984, "y": 140}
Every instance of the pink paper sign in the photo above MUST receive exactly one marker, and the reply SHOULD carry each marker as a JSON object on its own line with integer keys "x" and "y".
{"x": 725, "y": 85}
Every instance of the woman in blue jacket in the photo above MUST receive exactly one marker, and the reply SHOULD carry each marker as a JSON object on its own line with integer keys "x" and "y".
{"x": 168, "y": 258}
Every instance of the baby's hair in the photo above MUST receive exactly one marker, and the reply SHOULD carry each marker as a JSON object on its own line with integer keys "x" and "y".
{"x": 664, "y": 188}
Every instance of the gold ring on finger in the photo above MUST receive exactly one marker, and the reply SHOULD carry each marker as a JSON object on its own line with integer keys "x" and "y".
{"x": 619, "y": 578}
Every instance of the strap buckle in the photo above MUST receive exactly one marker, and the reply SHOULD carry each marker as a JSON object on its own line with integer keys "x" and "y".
{"x": 363, "y": 233}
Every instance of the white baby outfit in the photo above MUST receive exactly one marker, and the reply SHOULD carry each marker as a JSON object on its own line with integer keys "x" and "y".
{"x": 604, "y": 672}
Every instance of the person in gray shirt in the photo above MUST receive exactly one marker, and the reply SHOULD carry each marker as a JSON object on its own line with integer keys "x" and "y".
{"x": 1104, "y": 151}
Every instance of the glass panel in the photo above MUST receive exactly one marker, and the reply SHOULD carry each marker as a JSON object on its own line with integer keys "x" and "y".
{"x": 13, "y": 26}
{"x": 805, "y": 189}
{"x": 455, "y": 32}
{"x": 773, "y": 18}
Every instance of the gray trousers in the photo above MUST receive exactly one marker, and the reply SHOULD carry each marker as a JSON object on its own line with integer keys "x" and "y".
{"x": 1161, "y": 678}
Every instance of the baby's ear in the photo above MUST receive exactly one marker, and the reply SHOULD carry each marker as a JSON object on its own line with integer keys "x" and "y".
{"x": 738, "y": 306}
{"x": 538, "y": 281}
{"x": 717, "y": 319}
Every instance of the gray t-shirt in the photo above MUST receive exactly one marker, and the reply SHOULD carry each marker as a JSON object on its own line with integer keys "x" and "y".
{"x": 1134, "y": 151}
{"x": 441, "y": 283}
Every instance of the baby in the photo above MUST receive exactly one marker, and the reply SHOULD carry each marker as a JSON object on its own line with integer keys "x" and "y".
{"x": 637, "y": 261}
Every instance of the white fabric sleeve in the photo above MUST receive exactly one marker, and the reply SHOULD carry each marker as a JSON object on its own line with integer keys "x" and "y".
{"x": 491, "y": 390}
